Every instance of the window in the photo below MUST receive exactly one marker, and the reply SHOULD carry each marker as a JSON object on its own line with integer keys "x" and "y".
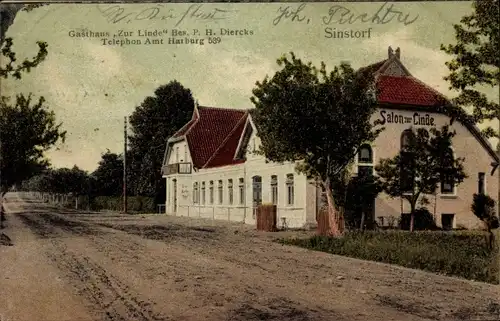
{"x": 447, "y": 187}
{"x": 195, "y": 193}
{"x": 447, "y": 221}
{"x": 256, "y": 193}
{"x": 480, "y": 183}
{"x": 447, "y": 184}
{"x": 365, "y": 160}
{"x": 220, "y": 189}
{"x": 211, "y": 195}
{"x": 177, "y": 154}
{"x": 242, "y": 191}
{"x": 407, "y": 162}
{"x": 274, "y": 189}
{"x": 230, "y": 191}
{"x": 203, "y": 193}
{"x": 405, "y": 138}
{"x": 290, "y": 189}
{"x": 365, "y": 155}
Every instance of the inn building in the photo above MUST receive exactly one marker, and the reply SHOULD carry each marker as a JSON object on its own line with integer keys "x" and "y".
{"x": 212, "y": 171}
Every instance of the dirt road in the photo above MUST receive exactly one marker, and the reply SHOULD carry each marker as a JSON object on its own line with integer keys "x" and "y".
{"x": 67, "y": 265}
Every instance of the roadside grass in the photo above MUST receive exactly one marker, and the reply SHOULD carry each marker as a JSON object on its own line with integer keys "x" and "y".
{"x": 456, "y": 253}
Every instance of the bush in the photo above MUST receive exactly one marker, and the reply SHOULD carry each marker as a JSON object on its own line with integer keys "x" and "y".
{"x": 463, "y": 254}
{"x": 483, "y": 208}
{"x": 424, "y": 220}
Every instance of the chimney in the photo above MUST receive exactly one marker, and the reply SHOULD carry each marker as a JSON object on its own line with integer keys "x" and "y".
{"x": 390, "y": 52}
{"x": 398, "y": 53}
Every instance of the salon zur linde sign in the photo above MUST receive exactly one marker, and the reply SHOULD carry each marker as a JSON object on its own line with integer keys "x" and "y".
{"x": 417, "y": 119}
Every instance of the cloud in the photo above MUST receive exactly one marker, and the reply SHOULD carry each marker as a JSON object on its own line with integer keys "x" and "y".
{"x": 105, "y": 61}
{"x": 230, "y": 76}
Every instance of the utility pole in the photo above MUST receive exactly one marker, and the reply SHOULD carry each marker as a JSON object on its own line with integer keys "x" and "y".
{"x": 125, "y": 166}
{"x": 2, "y": 214}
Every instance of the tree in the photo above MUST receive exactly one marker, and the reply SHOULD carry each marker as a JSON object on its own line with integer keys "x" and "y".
{"x": 483, "y": 207}
{"x": 32, "y": 161}
{"x": 152, "y": 123}
{"x": 423, "y": 163}
{"x": 476, "y": 61}
{"x": 7, "y": 15}
{"x": 317, "y": 119}
{"x": 362, "y": 190}
{"x": 27, "y": 131}
{"x": 109, "y": 175}
{"x": 78, "y": 181}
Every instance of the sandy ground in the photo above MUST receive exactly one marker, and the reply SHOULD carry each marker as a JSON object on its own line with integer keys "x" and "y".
{"x": 69, "y": 265}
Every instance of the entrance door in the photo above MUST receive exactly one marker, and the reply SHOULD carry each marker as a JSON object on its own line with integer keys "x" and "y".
{"x": 257, "y": 193}
{"x": 174, "y": 194}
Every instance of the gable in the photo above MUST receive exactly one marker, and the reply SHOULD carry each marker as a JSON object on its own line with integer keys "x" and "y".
{"x": 242, "y": 150}
{"x": 211, "y": 131}
{"x": 395, "y": 69}
{"x": 397, "y": 118}
{"x": 224, "y": 155}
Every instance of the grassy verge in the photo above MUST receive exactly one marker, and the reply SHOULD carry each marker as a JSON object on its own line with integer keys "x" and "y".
{"x": 463, "y": 254}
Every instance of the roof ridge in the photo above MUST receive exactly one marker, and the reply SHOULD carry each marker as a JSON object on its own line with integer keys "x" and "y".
{"x": 192, "y": 125}
{"x": 243, "y": 118}
{"x": 223, "y": 108}
{"x": 364, "y": 68}
{"x": 189, "y": 124}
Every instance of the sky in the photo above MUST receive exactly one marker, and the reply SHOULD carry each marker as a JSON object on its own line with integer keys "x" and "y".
{"x": 91, "y": 86}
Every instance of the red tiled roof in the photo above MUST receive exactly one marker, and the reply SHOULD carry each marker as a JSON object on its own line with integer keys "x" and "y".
{"x": 402, "y": 90}
{"x": 210, "y": 133}
{"x": 406, "y": 90}
{"x": 225, "y": 154}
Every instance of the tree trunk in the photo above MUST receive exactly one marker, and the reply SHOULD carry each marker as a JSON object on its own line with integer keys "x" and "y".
{"x": 491, "y": 238}
{"x": 2, "y": 212}
{"x": 412, "y": 217}
{"x": 362, "y": 224}
{"x": 336, "y": 226}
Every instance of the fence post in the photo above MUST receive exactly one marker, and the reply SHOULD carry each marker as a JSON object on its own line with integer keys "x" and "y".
{"x": 228, "y": 214}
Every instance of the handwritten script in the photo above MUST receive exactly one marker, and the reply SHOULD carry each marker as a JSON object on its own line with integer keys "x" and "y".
{"x": 338, "y": 14}
{"x": 291, "y": 13}
{"x": 125, "y": 14}
{"x": 384, "y": 14}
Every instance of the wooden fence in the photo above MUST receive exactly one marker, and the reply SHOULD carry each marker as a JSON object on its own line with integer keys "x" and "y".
{"x": 266, "y": 218}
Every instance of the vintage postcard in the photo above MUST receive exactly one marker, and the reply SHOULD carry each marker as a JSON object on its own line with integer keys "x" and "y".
{"x": 191, "y": 161}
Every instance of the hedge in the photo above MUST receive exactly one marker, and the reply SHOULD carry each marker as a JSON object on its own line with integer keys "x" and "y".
{"x": 138, "y": 204}
{"x": 135, "y": 204}
{"x": 464, "y": 254}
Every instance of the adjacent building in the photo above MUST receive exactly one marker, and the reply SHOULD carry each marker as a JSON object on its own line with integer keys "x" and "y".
{"x": 212, "y": 169}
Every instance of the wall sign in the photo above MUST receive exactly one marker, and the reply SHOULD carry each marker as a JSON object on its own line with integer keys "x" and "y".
{"x": 184, "y": 191}
{"x": 417, "y": 119}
